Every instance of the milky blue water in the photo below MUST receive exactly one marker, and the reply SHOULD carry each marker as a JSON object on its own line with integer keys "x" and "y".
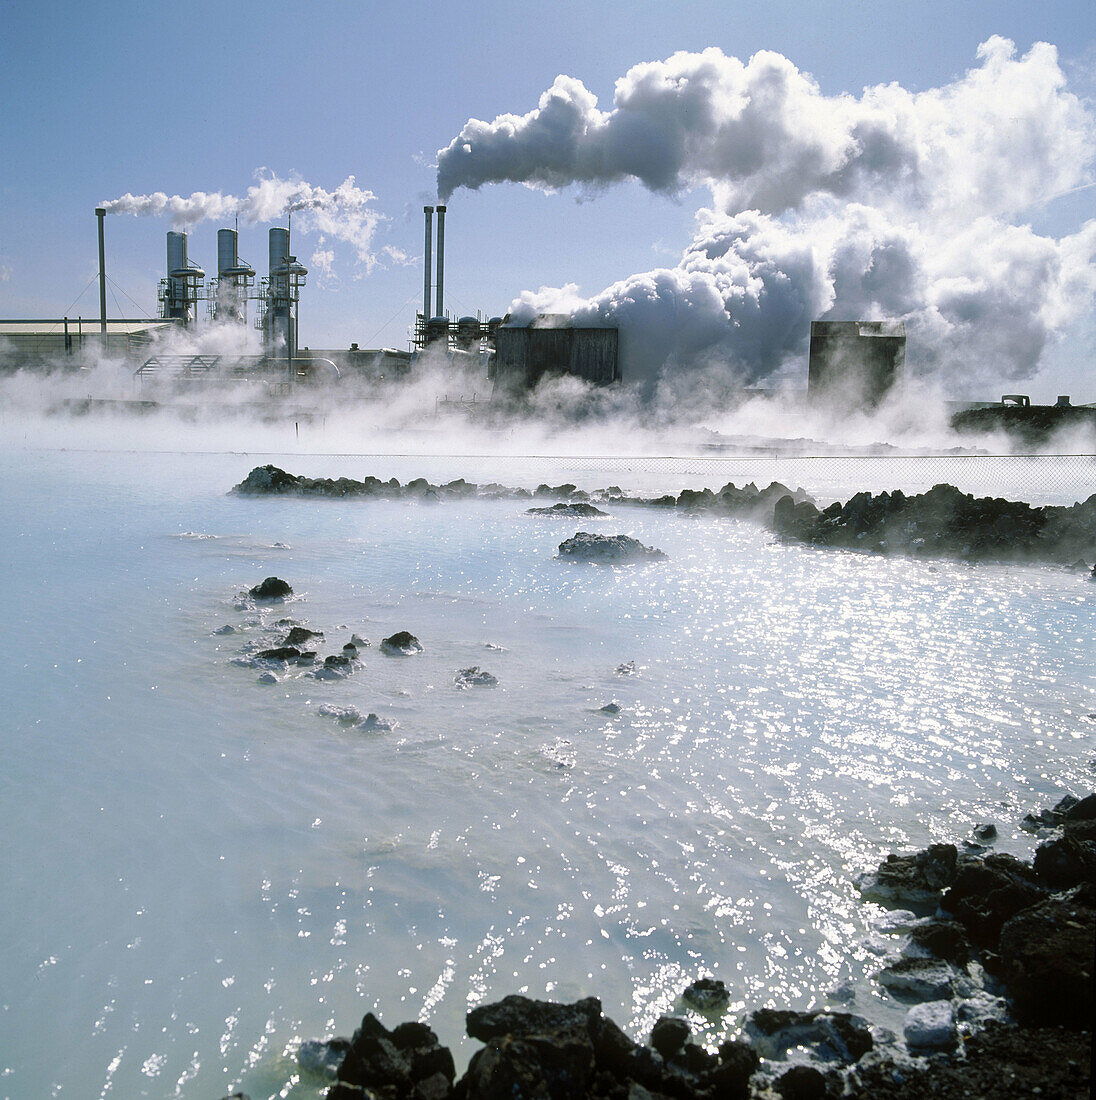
{"x": 200, "y": 869}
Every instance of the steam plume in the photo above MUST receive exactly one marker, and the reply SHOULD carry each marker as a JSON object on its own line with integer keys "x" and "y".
{"x": 344, "y": 214}
{"x": 890, "y": 205}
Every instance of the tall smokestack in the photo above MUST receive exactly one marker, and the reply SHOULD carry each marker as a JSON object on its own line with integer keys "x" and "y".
{"x": 429, "y": 212}
{"x": 101, "y": 213}
{"x": 441, "y": 261}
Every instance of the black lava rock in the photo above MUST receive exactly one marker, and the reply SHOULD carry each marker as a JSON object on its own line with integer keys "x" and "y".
{"x": 944, "y": 939}
{"x": 281, "y": 653}
{"x": 801, "y": 1083}
{"x": 273, "y": 588}
{"x": 706, "y": 994}
{"x": 668, "y": 1035}
{"x": 401, "y": 644}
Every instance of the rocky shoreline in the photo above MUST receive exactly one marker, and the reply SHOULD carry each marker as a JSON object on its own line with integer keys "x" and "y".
{"x": 941, "y": 523}
{"x": 1000, "y": 932}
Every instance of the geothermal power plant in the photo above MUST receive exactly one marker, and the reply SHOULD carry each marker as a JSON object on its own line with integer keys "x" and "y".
{"x": 852, "y": 364}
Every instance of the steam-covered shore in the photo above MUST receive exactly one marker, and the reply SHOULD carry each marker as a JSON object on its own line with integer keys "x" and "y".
{"x": 998, "y": 977}
{"x": 942, "y": 523}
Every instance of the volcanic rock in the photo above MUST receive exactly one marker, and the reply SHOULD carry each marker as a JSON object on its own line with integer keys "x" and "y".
{"x": 273, "y": 588}
{"x": 300, "y": 634}
{"x": 281, "y": 653}
{"x": 574, "y": 509}
{"x": 931, "y": 1026}
{"x": 401, "y": 644}
{"x": 706, "y": 994}
{"x": 607, "y": 549}
{"x": 834, "y": 1036}
{"x": 801, "y": 1083}
{"x": 668, "y": 1035}
{"x": 987, "y": 892}
{"x": 916, "y": 879}
{"x": 920, "y": 979}
{"x": 1066, "y": 861}
{"x": 1047, "y": 952}
{"x": 943, "y": 939}
{"x": 474, "y": 677}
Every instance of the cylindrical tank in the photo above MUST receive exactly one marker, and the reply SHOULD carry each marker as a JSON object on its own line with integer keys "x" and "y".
{"x": 437, "y": 328}
{"x": 279, "y": 254}
{"x": 227, "y": 253}
{"x": 468, "y": 330}
{"x": 175, "y": 305}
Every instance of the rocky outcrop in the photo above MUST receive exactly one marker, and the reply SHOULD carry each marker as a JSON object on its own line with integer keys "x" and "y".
{"x": 273, "y": 588}
{"x": 1047, "y": 955}
{"x": 401, "y": 644}
{"x": 607, "y": 549}
{"x": 945, "y": 522}
{"x": 748, "y": 501}
{"x": 917, "y": 879}
{"x": 1034, "y": 924}
{"x": 564, "y": 510}
{"x": 533, "y": 1049}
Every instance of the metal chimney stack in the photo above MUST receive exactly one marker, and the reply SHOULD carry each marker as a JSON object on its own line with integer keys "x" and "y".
{"x": 441, "y": 261}
{"x": 429, "y": 212}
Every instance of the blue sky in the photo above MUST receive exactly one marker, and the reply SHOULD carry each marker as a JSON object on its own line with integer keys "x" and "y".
{"x": 135, "y": 97}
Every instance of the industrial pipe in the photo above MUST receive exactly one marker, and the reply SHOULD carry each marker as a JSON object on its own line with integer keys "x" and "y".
{"x": 429, "y": 212}
{"x": 441, "y": 261}
{"x": 100, "y": 213}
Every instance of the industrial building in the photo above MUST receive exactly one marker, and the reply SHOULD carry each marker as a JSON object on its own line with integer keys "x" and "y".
{"x": 553, "y": 343}
{"x": 854, "y": 362}
{"x": 56, "y": 340}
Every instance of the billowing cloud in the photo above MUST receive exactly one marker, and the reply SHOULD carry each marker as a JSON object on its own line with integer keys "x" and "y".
{"x": 889, "y": 205}
{"x": 344, "y": 213}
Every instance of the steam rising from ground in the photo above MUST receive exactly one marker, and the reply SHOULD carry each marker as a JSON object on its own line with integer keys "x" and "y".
{"x": 344, "y": 214}
{"x": 445, "y": 407}
{"x": 892, "y": 206}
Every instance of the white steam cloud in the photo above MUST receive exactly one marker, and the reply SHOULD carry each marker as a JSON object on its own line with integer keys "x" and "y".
{"x": 893, "y": 205}
{"x": 343, "y": 214}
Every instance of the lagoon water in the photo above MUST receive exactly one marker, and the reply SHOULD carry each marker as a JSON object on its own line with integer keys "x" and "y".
{"x": 201, "y": 869}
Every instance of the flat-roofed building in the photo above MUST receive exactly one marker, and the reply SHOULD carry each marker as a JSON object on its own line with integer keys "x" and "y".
{"x": 854, "y": 362}
{"x": 54, "y": 340}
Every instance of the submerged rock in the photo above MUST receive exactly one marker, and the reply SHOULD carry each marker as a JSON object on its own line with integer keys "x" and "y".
{"x": 273, "y": 588}
{"x": 474, "y": 677}
{"x": 281, "y": 653}
{"x": 607, "y": 549}
{"x": 323, "y": 1056}
{"x": 706, "y": 995}
{"x": 401, "y": 644}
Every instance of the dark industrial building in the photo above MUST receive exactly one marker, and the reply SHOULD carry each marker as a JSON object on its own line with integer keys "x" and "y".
{"x": 552, "y": 343}
{"x": 854, "y": 361}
